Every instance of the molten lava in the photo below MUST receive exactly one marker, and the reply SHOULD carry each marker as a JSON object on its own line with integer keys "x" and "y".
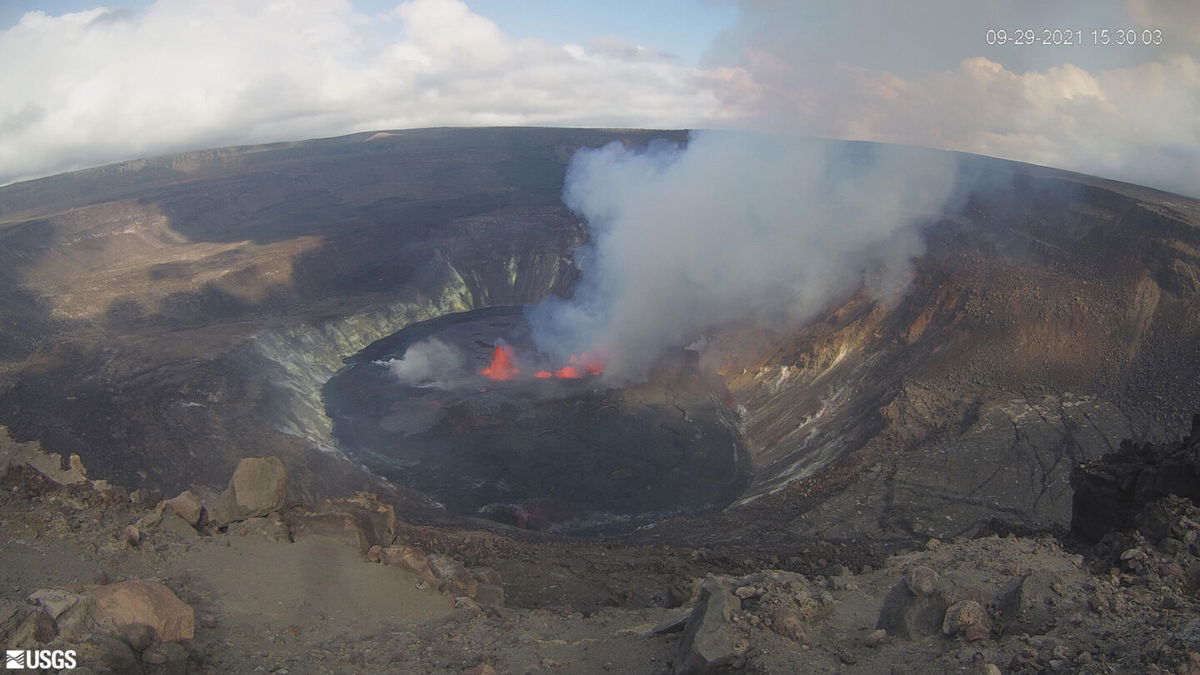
{"x": 503, "y": 365}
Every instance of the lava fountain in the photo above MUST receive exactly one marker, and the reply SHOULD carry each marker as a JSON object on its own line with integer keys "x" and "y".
{"x": 502, "y": 366}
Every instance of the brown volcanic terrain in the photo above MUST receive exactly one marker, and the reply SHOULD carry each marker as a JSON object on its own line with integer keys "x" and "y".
{"x": 1041, "y": 329}
{"x": 133, "y": 294}
{"x": 166, "y": 317}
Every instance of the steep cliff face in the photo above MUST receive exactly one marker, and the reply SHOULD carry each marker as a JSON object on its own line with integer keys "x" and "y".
{"x": 1037, "y": 332}
{"x": 295, "y": 362}
{"x": 165, "y": 317}
{"x": 171, "y": 315}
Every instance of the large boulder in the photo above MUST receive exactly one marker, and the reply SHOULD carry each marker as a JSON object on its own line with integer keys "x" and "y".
{"x": 256, "y": 488}
{"x": 115, "y": 609}
{"x": 916, "y": 605}
{"x": 143, "y": 602}
{"x": 921, "y": 580}
{"x": 708, "y": 642}
{"x": 71, "y": 610}
{"x": 1028, "y": 603}
{"x": 376, "y": 518}
{"x": 188, "y": 507}
{"x": 452, "y": 577}
{"x": 163, "y": 519}
{"x": 363, "y": 521}
{"x": 967, "y": 618}
{"x": 410, "y": 559}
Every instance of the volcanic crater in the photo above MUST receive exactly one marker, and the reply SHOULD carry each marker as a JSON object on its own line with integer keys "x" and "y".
{"x": 538, "y": 445}
{"x": 1049, "y": 316}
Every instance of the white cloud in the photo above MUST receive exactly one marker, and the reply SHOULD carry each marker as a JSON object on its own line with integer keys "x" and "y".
{"x": 1179, "y": 19}
{"x": 1138, "y": 121}
{"x": 100, "y": 86}
{"x": 1140, "y": 124}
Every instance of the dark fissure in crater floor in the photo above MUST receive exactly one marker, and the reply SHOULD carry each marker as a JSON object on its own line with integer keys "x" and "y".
{"x": 569, "y": 455}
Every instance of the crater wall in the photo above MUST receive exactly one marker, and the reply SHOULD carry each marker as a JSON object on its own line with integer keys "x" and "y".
{"x": 170, "y": 316}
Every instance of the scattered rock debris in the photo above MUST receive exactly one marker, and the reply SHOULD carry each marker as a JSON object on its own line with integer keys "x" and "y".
{"x": 240, "y": 581}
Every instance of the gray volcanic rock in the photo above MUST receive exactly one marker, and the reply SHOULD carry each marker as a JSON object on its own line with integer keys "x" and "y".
{"x": 187, "y": 506}
{"x": 49, "y": 465}
{"x": 921, "y": 580}
{"x": 1028, "y": 603}
{"x": 968, "y": 618}
{"x": 1128, "y": 606}
{"x": 707, "y": 644}
{"x": 144, "y": 602}
{"x": 256, "y": 488}
{"x": 1110, "y": 493}
{"x": 112, "y": 608}
{"x": 911, "y": 615}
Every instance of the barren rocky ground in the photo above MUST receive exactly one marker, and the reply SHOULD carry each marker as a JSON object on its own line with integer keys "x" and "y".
{"x": 257, "y": 585}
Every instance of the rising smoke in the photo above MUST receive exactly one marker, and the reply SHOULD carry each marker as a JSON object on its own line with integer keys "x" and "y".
{"x": 732, "y": 228}
{"x": 429, "y": 363}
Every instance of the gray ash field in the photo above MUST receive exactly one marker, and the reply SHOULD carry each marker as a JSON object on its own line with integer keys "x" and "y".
{"x": 567, "y": 454}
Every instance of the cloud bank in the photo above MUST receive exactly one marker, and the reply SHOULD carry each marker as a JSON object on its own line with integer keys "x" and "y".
{"x": 100, "y": 86}
{"x": 923, "y": 74}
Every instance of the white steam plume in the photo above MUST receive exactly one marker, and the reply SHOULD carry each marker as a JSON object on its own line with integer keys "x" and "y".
{"x": 732, "y": 228}
{"x": 429, "y": 363}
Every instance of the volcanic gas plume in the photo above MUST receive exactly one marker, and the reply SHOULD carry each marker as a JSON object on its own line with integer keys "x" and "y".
{"x": 732, "y": 228}
{"x": 429, "y": 363}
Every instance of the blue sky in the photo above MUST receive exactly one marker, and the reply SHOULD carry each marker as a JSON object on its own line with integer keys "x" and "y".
{"x": 84, "y": 86}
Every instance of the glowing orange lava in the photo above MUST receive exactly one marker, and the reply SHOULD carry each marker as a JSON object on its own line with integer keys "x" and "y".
{"x": 503, "y": 365}
{"x": 587, "y": 363}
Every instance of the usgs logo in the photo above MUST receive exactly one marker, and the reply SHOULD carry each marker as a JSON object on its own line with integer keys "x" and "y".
{"x": 20, "y": 659}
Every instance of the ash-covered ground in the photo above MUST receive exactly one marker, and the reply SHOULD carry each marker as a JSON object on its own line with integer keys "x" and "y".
{"x": 239, "y": 582}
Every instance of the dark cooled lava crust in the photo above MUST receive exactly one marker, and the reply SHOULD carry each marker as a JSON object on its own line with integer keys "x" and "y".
{"x": 572, "y": 455}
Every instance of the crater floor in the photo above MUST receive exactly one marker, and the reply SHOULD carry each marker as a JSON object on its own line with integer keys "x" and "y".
{"x": 574, "y": 455}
